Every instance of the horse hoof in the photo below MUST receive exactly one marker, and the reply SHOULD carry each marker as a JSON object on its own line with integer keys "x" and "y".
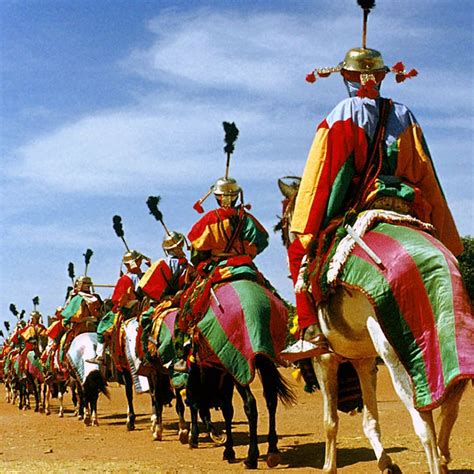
{"x": 184, "y": 436}
{"x": 273, "y": 459}
{"x": 229, "y": 456}
{"x": 219, "y": 439}
{"x": 130, "y": 426}
{"x": 95, "y": 423}
{"x": 61, "y": 414}
{"x": 193, "y": 445}
{"x": 393, "y": 469}
{"x": 250, "y": 464}
{"x": 47, "y": 412}
{"x": 157, "y": 436}
{"x": 87, "y": 420}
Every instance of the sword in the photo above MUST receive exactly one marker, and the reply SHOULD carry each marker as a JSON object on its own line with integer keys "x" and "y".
{"x": 216, "y": 299}
{"x": 364, "y": 246}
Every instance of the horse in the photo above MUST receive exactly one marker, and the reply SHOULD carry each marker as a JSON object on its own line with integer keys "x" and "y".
{"x": 353, "y": 329}
{"x": 90, "y": 381}
{"x": 241, "y": 330}
{"x": 165, "y": 383}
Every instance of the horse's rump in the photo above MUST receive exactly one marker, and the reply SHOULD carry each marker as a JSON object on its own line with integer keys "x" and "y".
{"x": 421, "y": 303}
{"x": 245, "y": 319}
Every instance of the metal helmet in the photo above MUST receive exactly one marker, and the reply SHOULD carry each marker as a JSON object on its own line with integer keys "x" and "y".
{"x": 227, "y": 191}
{"x": 172, "y": 241}
{"x": 35, "y": 314}
{"x": 131, "y": 256}
{"x": 364, "y": 60}
{"x": 84, "y": 280}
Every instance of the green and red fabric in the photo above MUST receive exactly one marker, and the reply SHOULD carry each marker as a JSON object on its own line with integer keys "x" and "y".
{"x": 421, "y": 304}
{"x": 246, "y": 319}
{"x": 215, "y": 230}
{"x": 34, "y": 367}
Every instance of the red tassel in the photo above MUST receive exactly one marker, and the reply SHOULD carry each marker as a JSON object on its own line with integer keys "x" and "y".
{"x": 399, "y": 67}
{"x": 368, "y": 90}
{"x": 311, "y": 78}
{"x": 412, "y": 73}
{"x": 400, "y": 78}
{"x": 197, "y": 207}
{"x": 248, "y": 207}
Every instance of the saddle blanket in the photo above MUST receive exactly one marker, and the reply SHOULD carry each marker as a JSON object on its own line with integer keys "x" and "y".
{"x": 420, "y": 301}
{"x": 243, "y": 320}
{"x": 140, "y": 383}
{"x": 82, "y": 348}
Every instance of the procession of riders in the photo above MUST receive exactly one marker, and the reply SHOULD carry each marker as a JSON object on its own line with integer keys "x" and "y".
{"x": 368, "y": 166}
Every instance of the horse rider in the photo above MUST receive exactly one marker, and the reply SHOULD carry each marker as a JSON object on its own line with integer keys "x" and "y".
{"x": 31, "y": 335}
{"x": 227, "y": 231}
{"x": 126, "y": 298}
{"x": 55, "y": 332}
{"x": 368, "y": 153}
{"x": 81, "y": 313}
{"x": 164, "y": 282}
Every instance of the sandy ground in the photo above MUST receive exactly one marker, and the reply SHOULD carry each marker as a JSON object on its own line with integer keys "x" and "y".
{"x": 32, "y": 442}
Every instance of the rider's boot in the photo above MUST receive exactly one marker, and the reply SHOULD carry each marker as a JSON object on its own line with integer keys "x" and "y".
{"x": 312, "y": 343}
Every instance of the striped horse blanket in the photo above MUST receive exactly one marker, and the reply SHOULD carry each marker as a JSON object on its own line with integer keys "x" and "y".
{"x": 419, "y": 299}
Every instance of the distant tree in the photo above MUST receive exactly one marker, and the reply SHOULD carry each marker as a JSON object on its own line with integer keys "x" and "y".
{"x": 466, "y": 264}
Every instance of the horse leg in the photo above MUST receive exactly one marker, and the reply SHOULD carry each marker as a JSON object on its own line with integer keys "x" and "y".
{"x": 250, "y": 407}
{"x": 61, "y": 391}
{"x": 367, "y": 372}
{"x": 228, "y": 414}
{"x": 194, "y": 438}
{"x": 183, "y": 431}
{"x": 422, "y": 421}
{"x": 127, "y": 377}
{"x": 157, "y": 417}
{"x": 47, "y": 395}
{"x": 447, "y": 418}
{"x": 75, "y": 400}
{"x": 326, "y": 367}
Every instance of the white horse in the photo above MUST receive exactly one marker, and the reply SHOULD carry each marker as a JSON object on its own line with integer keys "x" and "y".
{"x": 349, "y": 323}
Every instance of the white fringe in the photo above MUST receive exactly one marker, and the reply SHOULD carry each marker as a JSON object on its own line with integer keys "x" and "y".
{"x": 366, "y": 221}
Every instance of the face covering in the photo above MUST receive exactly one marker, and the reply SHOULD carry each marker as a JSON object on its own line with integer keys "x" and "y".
{"x": 353, "y": 86}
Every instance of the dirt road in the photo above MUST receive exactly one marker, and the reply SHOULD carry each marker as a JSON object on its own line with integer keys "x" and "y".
{"x": 32, "y": 442}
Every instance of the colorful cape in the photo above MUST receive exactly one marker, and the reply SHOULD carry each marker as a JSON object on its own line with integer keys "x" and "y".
{"x": 337, "y": 159}
{"x": 34, "y": 366}
{"x": 247, "y": 320}
{"x": 215, "y": 229}
{"x": 421, "y": 304}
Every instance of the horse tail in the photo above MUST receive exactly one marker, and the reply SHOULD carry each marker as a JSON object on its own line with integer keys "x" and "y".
{"x": 95, "y": 383}
{"x": 273, "y": 382}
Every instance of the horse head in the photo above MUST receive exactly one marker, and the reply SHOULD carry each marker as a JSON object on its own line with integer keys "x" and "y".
{"x": 289, "y": 186}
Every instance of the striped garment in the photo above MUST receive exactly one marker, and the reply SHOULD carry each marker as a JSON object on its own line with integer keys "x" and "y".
{"x": 215, "y": 229}
{"x": 421, "y": 303}
{"x": 337, "y": 159}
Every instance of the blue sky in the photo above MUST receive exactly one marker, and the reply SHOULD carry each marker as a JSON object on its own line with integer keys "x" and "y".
{"x": 104, "y": 103}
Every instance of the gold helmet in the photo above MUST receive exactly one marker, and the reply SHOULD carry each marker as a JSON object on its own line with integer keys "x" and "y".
{"x": 35, "y": 314}
{"x": 363, "y": 64}
{"x": 364, "y": 60}
{"x": 131, "y": 256}
{"x": 173, "y": 241}
{"x": 227, "y": 191}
